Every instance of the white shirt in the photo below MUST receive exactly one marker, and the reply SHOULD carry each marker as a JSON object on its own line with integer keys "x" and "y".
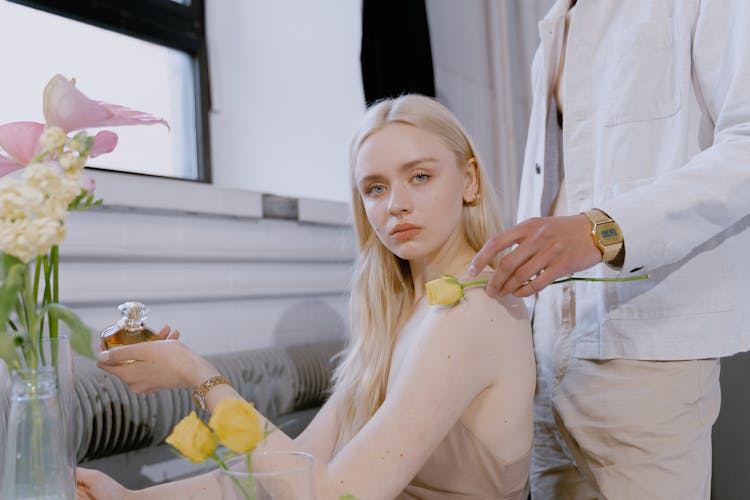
{"x": 657, "y": 135}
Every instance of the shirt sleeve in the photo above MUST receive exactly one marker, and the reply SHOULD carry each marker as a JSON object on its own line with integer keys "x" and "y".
{"x": 668, "y": 219}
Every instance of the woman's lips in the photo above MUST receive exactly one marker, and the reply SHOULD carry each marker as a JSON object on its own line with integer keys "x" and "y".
{"x": 405, "y": 231}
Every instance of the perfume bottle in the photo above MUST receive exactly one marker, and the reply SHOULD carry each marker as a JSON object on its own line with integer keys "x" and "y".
{"x": 130, "y": 329}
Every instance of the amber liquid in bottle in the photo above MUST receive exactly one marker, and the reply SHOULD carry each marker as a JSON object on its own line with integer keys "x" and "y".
{"x": 130, "y": 329}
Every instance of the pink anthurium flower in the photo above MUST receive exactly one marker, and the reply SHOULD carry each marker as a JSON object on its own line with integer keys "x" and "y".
{"x": 68, "y": 108}
{"x": 19, "y": 141}
{"x": 104, "y": 142}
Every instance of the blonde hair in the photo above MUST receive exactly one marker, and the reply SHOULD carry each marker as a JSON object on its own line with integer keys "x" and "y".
{"x": 382, "y": 289}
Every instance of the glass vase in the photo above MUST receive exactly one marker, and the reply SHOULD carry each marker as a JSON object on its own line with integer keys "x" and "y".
{"x": 276, "y": 475}
{"x": 37, "y": 464}
{"x": 57, "y": 354}
{"x": 4, "y": 409}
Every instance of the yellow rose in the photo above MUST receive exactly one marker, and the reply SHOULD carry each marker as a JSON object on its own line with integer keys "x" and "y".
{"x": 236, "y": 425}
{"x": 445, "y": 291}
{"x": 193, "y": 439}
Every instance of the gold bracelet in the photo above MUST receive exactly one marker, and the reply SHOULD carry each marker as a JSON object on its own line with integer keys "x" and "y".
{"x": 199, "y": 394}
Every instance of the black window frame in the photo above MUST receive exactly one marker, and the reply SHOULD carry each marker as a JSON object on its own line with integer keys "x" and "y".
{"x": 163, "y": 22}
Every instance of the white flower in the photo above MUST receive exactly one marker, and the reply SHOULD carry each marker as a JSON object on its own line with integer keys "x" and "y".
{"x": 45, "y": 185}
{"x": 70, "y": 161}
{"x": 53, "y": 208}
{"x": 13, "y": 239}
{"x": 43, "y": 178}
{"x": 46, "y": 232}
{"x": 13, "y": 202}
{"x": 27, "y": 238}
{"x": 52, "y": 138}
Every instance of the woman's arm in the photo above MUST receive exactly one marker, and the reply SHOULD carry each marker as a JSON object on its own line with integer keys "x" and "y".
{"x": 454, "y": 357}
{"x": 168, "y": 364}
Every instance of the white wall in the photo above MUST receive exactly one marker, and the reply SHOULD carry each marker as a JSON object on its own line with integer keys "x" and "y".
{"x": 482, "y": 53}
{"x": 205, "y": 262}
{"x": 287, "y": 94}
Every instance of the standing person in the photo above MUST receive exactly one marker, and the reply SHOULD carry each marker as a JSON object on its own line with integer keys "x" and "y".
{"x": 420, "y": 390}
{"x": 640, "y": 137}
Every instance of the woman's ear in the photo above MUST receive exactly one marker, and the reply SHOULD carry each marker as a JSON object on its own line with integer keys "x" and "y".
{"x": 471, "y": 182}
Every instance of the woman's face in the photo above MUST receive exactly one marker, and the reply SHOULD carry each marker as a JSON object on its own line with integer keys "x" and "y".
{"x": 413, "y": 189}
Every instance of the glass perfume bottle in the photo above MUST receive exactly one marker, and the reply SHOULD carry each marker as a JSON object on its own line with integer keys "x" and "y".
{"x": 130, "y": 329}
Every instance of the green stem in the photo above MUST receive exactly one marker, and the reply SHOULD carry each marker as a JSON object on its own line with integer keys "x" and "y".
{"x": 37, "y": 269}
{"x": 54, "y": 261}
{"x": 29, "y": 305}
{"x": 251, "y": 483}
{"x": 629, "y": 278}
{"x": 46, "y": 299}
{"x": 249, "y": 495}
{"x": 473, "y": 283}
{"x": 571, "y": 278}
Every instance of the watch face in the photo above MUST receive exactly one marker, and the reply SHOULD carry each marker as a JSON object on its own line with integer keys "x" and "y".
{"x": 608, "y": 233}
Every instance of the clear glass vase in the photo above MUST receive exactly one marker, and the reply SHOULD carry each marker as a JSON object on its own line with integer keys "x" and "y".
{"x": 37, "y": 463}
{"x": 4, "y": 409}
{"x": 57, "y": 354}
{"x": 275, "y": 475}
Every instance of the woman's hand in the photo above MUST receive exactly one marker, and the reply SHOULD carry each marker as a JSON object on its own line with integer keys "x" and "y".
{"x": 149, "y": 367}
{"x": 166, "y": 333}
{"x": 94, "y": 485}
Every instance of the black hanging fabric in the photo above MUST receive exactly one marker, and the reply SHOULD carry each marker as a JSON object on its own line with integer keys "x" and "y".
{"x": 396, "y": 57}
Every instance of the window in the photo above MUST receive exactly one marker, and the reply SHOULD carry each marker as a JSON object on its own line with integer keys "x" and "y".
{"x": 144, "y": 54}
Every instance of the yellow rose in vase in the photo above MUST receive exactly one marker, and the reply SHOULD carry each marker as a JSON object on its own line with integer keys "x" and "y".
{"x": 193, "y": 439}
{"x": 237, "y": 425}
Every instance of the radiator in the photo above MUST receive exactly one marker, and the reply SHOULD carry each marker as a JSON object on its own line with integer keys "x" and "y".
{"x": 109, "y": 419}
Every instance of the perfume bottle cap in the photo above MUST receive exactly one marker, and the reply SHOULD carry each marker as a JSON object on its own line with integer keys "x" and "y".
{"x": 133, "y": 315}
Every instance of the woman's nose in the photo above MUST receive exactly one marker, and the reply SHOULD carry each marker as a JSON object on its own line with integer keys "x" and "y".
{"x": 399, "y": 201}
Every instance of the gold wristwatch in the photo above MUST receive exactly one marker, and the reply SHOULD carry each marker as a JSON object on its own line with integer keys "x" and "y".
{"x": 199, "y": 394}
{"x": 607, "y": 235}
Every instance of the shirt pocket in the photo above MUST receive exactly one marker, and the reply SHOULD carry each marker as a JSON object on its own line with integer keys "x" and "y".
{"x": 640, "y": 77}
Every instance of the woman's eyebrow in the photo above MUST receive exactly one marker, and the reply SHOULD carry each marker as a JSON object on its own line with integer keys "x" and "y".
{"x": 406, "y": 166}
{"x": 413, "y": 163}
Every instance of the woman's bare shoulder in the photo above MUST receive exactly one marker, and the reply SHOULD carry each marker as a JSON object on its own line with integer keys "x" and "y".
{"x": 487, "y": 322}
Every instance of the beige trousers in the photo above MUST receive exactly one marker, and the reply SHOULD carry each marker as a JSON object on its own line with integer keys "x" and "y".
{"x": 617, "y": 429}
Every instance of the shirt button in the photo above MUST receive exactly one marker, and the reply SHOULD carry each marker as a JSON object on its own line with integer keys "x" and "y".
{"x": 538, "y": 168}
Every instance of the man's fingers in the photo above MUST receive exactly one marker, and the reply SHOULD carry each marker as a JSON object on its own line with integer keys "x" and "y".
{"x": 528, "y": 271}
{"x": 540, "y": 282}
{"x": 494, "y": 245}
{"x": 507, "y": 269}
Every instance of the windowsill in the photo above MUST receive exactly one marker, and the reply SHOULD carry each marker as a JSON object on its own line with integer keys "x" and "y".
{"x": 134, "y": 192}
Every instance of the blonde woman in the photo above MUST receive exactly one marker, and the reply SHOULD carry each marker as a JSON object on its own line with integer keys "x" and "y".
{"x": 428, "y": 402}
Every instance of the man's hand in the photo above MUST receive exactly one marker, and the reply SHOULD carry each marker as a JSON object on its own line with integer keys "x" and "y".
{"x": 547, "y": 248}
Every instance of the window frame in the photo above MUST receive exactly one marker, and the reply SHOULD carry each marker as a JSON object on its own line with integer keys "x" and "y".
{"x": 163, "y": 22}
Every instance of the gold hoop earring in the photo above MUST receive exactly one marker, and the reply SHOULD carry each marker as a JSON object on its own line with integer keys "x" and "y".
{"x": 472, "y": 202}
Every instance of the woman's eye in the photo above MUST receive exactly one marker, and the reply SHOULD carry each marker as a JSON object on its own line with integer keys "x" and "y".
{"x": 375, "y": 189}
{"x": 421, "y": 177}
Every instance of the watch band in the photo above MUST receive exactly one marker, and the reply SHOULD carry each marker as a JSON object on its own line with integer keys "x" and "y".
{"x": 199, "y": 394}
